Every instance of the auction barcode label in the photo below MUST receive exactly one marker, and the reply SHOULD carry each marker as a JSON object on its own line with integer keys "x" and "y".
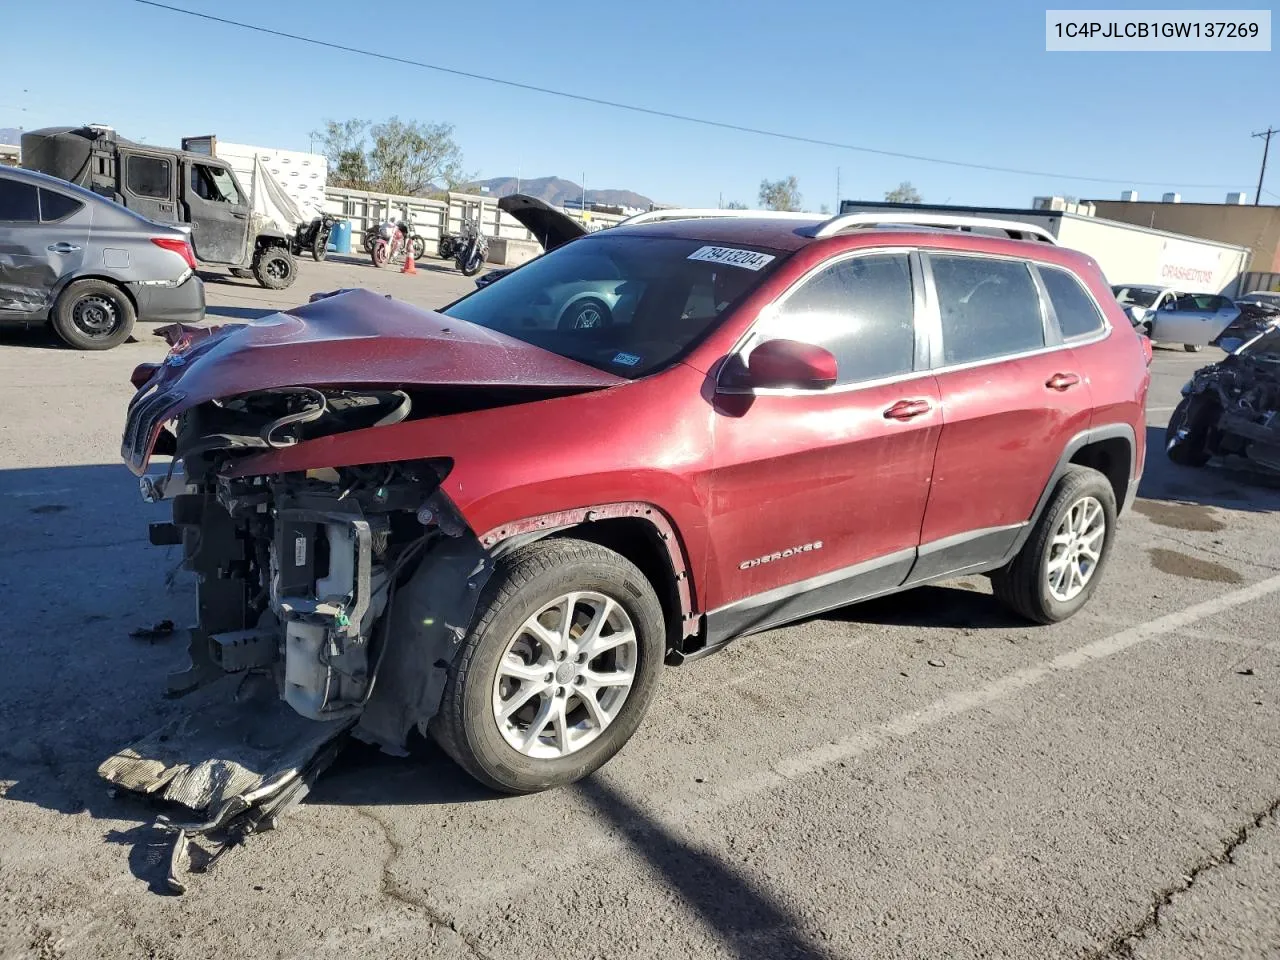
{"x": 1127, "y": 31}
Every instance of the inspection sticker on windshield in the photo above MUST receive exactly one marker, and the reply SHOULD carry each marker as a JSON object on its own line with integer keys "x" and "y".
{"x": 729, "y": 256}
{"x": 626, "y": 359}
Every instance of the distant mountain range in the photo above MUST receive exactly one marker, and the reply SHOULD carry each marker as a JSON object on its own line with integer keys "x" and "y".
{"x": 555, "y": 191}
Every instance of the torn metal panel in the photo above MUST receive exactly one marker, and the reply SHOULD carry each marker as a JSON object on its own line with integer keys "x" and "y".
{"x": 233, "y": 747}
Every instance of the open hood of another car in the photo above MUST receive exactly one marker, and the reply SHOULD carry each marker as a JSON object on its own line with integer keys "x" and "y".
{"x": 549, "y": 226}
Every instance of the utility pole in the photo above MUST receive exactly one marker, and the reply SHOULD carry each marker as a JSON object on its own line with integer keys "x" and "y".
{"x": 836, "y": 209}
{"x": 1266, "y": 146}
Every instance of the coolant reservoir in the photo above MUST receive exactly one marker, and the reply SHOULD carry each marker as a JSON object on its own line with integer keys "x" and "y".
{"x": 306, "y": 678}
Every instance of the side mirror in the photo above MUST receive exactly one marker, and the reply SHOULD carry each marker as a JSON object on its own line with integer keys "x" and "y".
{"x": 790, "y": 363}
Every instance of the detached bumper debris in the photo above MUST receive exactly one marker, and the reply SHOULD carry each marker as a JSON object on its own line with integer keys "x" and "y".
{"x": 159, "y": 631}
{"x": 236, "y": 764}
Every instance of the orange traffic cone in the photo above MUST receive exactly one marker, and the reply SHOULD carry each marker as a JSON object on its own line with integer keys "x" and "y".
{"x": 408, "y": 260}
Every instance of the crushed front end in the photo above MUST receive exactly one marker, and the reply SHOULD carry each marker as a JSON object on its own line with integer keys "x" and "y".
{"x": 1232, "y": 408}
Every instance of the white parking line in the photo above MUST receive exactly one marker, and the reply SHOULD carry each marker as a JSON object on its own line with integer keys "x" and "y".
{"x": 1161, "y": 409}
{"x": 906, "y": 724}
{"x": 36, "y": 493}
{"x": 677, "y": 820}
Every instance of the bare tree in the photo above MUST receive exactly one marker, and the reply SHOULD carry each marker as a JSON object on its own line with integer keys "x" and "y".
{"x": 735, "y": 205}
{"x": 904, "y": 193}
{"x": 780, "y": 194}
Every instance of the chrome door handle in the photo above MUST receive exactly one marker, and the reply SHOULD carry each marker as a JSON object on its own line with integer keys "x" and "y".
{"x": 62, "y": 247}
{"x": 908, "y": 409}
{"x": 1062, "y": 381}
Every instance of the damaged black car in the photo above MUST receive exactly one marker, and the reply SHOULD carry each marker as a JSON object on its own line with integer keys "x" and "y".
{"x": 1232, "y": 408}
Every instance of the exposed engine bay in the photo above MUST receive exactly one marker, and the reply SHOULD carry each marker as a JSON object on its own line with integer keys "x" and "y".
{"x": 1232, "y": 408}
{"x": 313, "y": 588}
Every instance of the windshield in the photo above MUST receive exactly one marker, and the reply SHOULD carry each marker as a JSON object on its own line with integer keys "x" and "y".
{"x": 1135, "y": 296}
{"x": 628, "y": 305}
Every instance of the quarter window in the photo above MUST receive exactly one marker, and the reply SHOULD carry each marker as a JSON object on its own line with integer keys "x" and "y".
{"x": 148, "y": 177}
{"x": 18, "y": 202}
{"x": 1077, "y": 314}
{"x": 861, "y": 310}
{"x": 57, "y": 206}
{"x": 990, "y": 308}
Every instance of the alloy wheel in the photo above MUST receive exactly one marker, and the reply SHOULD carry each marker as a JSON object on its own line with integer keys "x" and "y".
{"x": 1076, "y": 549}
{"x": 565, "y": 675}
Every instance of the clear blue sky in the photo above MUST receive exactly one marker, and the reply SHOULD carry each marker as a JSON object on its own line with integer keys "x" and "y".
{"x": 958, "y": 80}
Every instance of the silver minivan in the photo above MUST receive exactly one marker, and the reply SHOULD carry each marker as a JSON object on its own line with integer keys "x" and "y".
{"x": 88, "y": 266}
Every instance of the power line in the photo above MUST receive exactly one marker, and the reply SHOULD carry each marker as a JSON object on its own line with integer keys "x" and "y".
{"x": 650, "y": 111}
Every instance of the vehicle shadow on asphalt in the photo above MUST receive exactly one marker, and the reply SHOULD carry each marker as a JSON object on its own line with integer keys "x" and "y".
{"x": 1230, "y": 484}
{"x": 750, "y": 921}
{"x": 937, "y": 605}
{"x": 363, "y": 775}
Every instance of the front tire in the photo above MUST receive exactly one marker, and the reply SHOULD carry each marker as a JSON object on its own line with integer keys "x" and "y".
{"x": 1059, "y": 566}
{"x": 93, "y": 315}
{"x": 419, "y": 248}
{"x": 471, "y": 266}
{"x": 275, "y": 268}
{"x": 319, "y": 249}
{"x": 1192, "y": 347}
{"x": 589, "y": 313}
{"x": 558, "y": 668}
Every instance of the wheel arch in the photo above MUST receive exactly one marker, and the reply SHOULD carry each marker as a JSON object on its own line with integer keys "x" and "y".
{"x": 1110, "y": 448}
{"x": 639, "y": 531}
{"x": 63, "y": 283}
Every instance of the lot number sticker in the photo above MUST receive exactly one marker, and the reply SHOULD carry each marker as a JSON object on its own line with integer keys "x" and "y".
{"x": 747, "y": 259}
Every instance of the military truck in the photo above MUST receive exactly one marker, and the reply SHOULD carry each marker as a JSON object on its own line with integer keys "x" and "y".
{"x": 170, "y": 186}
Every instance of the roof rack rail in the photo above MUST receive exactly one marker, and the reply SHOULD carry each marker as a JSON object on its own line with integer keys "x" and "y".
{"x": 1017, "y": 229}
{"x": 692, "y": 213}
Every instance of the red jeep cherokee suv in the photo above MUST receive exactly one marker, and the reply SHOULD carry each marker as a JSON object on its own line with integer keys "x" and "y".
{"x": 495, "y": 522}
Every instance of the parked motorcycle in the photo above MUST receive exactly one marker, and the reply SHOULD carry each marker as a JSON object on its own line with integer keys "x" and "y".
{"x": 447, "y": 247}
{"x": 314, "y": 237}
{"x": 472, "y": 250}
{"x": 391, "y": 240}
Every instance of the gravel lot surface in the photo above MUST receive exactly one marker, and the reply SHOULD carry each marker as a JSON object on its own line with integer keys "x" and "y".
{"x": 1106, "y": 787}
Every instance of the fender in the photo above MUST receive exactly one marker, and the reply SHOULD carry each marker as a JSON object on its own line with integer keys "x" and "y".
{"x": 518, "y": 532}
{"x": 1109, "y": 431}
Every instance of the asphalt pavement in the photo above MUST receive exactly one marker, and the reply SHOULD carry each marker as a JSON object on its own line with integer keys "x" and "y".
{"x": 919, "y": 776}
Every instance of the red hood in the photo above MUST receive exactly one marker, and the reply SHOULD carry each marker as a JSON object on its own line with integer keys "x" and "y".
{"x": 352, "y": 339}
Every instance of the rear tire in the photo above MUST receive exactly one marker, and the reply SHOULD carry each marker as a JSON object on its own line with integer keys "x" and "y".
{"x": 93, "y": 315}
{"x": 275, "y": 268}
{"x": 1192, "y": 348}
{"x": 242, "y": 272}
{"x": 535, "y": 584}
{"x": 1196, "y": 416}
{"x": 1028, "y": 584}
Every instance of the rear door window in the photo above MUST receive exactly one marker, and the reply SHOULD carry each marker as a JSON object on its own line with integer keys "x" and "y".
{"x": 148, "y": 177}
{"x": 861, "y": 310}
{"x": 990, "y": 308}
{"x": 18, "y": 202}
{"x": 57, "y": 206}
{"x": 1078, "y": 315}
